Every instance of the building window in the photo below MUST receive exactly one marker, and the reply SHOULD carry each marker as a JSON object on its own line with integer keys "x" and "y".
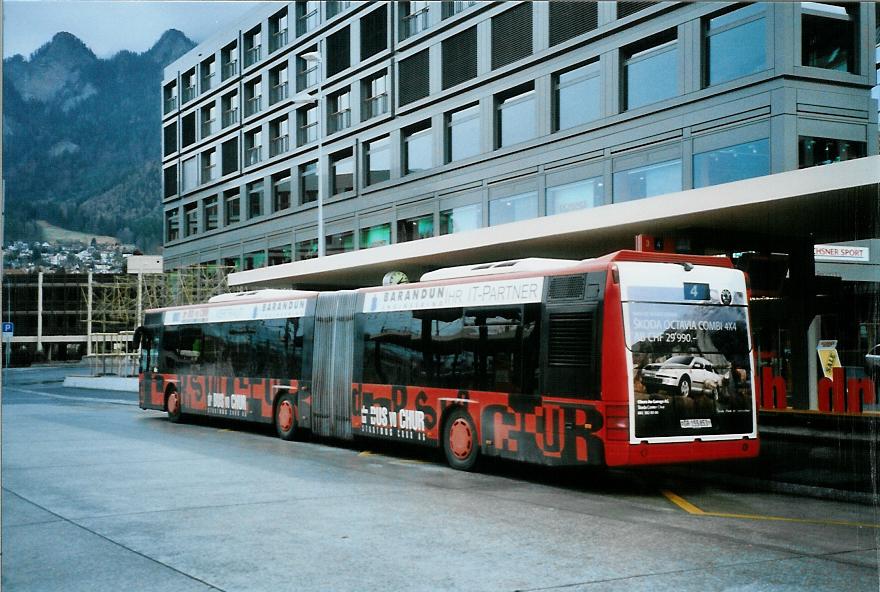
{"x": 190, "y": 174}
{"x": 229, "y": 156}
{"x": 308, "y": 182}
{"x": 169, "y": 94}
{"x": 280, "y": 255}
{"x": 209, "y": 165}
{"x": 829, "y": 36}
{"x": 254, "y": 260}
{"x": 341, "y": 242}
{"x": 253, "y": 147}
{"x": 512, "y": 35}
{"x": 413, "y": 18}
{"x": 339, "y": 110}
{"x": 462, "y": 133}
{"x": 253, "y": 95}
{"x": 459, "y": 58}
{"x": 169, "y": 142}
{"x": 735, "y": 44}
{"x": 814, "y": 151}
{"x": 253, "y": 47}
{"x": 191, "y": 219}
{"x": 647, "y": 181}
{"x": 208, "y": 70}
{"x": 418, "y": 148}
{"x": 170, "y": 181}
{"x": 338, "y": 51}
{"x": 342, "y": 172}
{"x": 375, "y": 236}
{"x": 188, "y": 130}
{"x": 278, "y": 30}
{"x": 374, "y": 91}
{"x": 306, "y": 16}
{"x": 209, "y": 119}
{"x": 279, "y": 136}
{"x": 513, "y": 208}
{"x": 460, "y": 219}
{"x": 414, "y": 71}
{"x": 732, "y": 163}
{"x": 579, "y": 195}
{"x": 515, "y": 115}
{"x": 172, "y": 225}
{"x": 651, "y": 70}
{"x": 570, "y": 19}
{"x": 307, "y": 249}
{"x": 374, "y": 32}
{"x": 188, "y": 82}
{"x": 578, "y": 96}
{"x": 254, "y": 199}
{"x": 229, "y": 59}
{"x": 451, "y": 8}
{"x": 230, "y": 109}
{"x": 334, "y": 7}
{"x": 306, "y": 71}
{"x": 278, "y": 89}
{"x": 210, "y": 209}
{"x": 231, "y": 207}
{"x": 377, "y": 160}
{"x": 232, "y": 263}
{"x": 280, "y": 191}
{"x": 307, "y": 125}
{"x": 412, "y": 229}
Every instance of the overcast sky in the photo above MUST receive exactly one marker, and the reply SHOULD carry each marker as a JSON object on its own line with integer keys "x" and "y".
{"x": 110, "y": 26}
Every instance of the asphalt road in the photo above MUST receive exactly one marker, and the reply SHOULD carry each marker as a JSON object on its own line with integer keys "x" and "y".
{"x": 100, "y": 495}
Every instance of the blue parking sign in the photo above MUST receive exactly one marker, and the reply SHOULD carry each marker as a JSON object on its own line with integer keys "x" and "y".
{"x": 9, "y": 327}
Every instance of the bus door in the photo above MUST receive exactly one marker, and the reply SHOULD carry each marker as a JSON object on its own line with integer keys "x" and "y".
{"x": 147, "y": 338}
{"x": 333, "y": 364}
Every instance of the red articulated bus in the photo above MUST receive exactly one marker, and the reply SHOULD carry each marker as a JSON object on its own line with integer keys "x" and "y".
{"x": 628, "y": 359}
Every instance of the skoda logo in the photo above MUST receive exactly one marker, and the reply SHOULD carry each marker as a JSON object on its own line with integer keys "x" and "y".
{"x": 725, "y": 297}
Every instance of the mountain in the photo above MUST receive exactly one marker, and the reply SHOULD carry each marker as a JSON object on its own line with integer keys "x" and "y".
{"x": 81, "y": 137}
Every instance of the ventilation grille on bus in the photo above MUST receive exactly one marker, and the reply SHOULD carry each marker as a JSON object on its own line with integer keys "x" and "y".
{"x": 571, "y": 335}
{"x": 567, "y": 287}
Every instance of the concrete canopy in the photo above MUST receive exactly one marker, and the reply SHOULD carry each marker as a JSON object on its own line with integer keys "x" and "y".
{"x": 836, "y": 202}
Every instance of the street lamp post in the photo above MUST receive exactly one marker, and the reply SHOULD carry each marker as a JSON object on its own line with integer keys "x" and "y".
{"x": 314, "y": 57}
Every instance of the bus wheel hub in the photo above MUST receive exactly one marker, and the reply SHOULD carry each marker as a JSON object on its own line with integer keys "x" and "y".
{"x": 460, "y": 439}
{"x": 285, "y": 415}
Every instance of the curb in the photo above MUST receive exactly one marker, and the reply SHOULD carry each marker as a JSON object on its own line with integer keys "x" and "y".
{"x": 105, "y": 383}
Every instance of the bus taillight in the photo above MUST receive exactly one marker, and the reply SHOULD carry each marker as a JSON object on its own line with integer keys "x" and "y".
{"x": 617, "y": 422}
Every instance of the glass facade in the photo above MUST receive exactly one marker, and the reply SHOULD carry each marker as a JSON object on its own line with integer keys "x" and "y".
{"x": 375, "y": 236}
{"x": 342, "y": 172}
{"x": 578, "y": 96}
{"x": 308, "y": 182}
{"x": 307, "y": 249}
{"x": 651, "y": 74}
{"x": 647, "y": 181}
{"x": 579, "y": 195}
{"x": 462, "y": 133}
{"x": 341, "y": 242}
{"x": 732, "y": 163}
{"x": 377, "y": 160}
{"x": 417, "y": 150}
{"x": 814, "y": 151}
{"x": 412, "y": 229}
{"x": 515, "y": 117}
{"x": 514, "y": 208}
{"x": 255, "y": 199}
{"x": 460, "y": 219}
{"x": 736, "y": 44}
{"x": 829, "y": 36}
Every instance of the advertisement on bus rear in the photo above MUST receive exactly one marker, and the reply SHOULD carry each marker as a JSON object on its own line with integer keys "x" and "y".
{"x": 691, "y": 370}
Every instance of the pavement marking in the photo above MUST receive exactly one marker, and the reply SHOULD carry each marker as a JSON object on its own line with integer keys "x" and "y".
{"x": 694, "y": 510}
{"x": 72, "y": 398}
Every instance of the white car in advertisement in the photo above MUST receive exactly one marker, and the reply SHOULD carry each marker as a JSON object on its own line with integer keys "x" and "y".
{"x": 683, "y": 375}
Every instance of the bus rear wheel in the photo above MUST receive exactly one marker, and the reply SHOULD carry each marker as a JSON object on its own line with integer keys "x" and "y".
{"x": 172, "y": 405}
{"x": 460, "y": 442}
{"x": 285, "y": 417}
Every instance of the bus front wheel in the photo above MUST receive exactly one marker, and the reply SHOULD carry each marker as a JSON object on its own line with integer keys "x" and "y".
{"x": 460, "y": 441}
{"x": 285, "y": 417}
